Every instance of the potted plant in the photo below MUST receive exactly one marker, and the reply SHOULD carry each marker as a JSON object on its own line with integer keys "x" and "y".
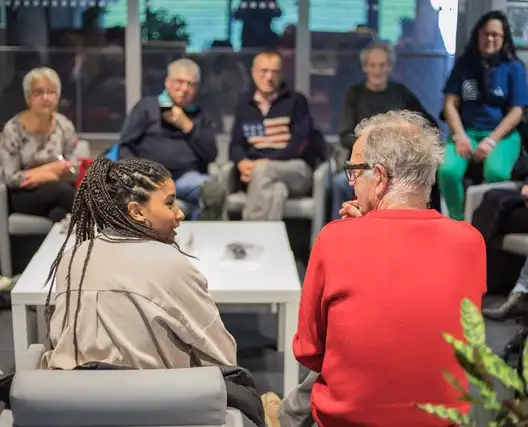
{"x": 484, "y": 369}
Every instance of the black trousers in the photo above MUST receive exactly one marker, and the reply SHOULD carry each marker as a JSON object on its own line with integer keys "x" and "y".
{"x": 501, "y": 212}
{"x": 51, "y": 200}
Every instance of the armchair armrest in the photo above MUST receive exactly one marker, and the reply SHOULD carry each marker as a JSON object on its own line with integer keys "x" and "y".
{"x": 227, "y": 175}
{"x": 475, "y": 194}
{"x": 319, "y": 198}
{"x": 6, "y": 418}
{"x": 5, "y": 245}
{"x": 82, "y": 151}
{"x": 31, "y": 359}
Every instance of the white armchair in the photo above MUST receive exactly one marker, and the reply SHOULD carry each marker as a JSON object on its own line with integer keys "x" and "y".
{"x": 17, "y": 224}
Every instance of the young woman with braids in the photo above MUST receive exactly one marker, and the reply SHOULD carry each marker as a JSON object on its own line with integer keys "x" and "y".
{"x": 126, "y": 295}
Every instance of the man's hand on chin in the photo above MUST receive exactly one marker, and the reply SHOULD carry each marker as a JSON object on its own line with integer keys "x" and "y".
{"x": 177, "y": 117}
{"x": 350, "y": 210}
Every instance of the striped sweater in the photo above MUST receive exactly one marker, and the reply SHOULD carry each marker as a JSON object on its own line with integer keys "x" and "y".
{"x": 282, "y": 133}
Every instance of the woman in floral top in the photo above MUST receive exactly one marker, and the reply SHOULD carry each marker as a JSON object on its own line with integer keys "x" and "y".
{"x": 36, "y": 151}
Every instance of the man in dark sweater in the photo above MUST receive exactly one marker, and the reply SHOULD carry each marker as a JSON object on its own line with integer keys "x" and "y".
{"x": 271, "y": 142}
{"x": 173, "y": 131}
{"x": 377, "y": 95}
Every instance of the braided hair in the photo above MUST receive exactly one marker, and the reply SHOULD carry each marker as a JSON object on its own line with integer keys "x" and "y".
{"x": 102, "y": 201}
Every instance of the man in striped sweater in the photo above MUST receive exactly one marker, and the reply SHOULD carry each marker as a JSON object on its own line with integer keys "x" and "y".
{"x": 272, "y": 142}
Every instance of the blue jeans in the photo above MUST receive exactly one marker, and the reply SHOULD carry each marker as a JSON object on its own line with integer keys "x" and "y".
{"x": 188, "y": 188}
{"x": 341, "y": 192}
{"x": 522, "y": 281}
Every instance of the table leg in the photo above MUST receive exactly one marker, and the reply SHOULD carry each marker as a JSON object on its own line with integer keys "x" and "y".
{"x": 42, "y": 328}
{"x": 281, "y": 318}
{"x": 19, "y": 314}
{"x": 291, "y": 367}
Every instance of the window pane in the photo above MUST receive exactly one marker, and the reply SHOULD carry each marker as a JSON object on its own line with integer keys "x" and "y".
{"x": 71, "y": 38}
{"x": 221, "y": 40}
{"x": 423, "y": 33}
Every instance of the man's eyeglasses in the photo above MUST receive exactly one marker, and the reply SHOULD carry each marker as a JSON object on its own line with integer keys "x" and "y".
{"x": 352, "y": 170}
{"x": 182, "y": 82}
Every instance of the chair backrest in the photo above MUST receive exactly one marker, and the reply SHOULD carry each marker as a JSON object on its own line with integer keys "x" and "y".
{"x": 82, "y": 151}
{"x": 119, "y": 398}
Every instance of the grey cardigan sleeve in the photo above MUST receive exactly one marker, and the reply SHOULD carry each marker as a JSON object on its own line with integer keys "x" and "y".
{"x": 12, "y": 170}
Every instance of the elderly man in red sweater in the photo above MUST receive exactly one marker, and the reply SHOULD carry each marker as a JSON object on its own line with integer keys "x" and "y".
{"x": 381, "y": 287}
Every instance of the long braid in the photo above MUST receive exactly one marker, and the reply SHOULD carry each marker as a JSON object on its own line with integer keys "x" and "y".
{"x": 102, "y": 201}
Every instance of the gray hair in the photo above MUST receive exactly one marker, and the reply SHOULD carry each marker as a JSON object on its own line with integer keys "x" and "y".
{"x": 41, "y": 73}
{"x": 186, "y": 66}
{"x": 378, "y": 45}
{"x": 407, "y": 145}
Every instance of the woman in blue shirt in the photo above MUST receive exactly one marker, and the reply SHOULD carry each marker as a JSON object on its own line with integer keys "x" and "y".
{"x": 485, "y": 97}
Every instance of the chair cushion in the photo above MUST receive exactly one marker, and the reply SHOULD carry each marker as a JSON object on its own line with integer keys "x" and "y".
{"x": 516, "y": 243}
{"x": 25, "y": 225}
{"x": 94, "y": 398}
{"x": 302, "y": 207}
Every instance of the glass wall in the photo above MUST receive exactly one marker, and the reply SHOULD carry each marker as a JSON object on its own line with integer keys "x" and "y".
{"x": 222, "y": 37}
{"x": 71, "y": 38}
{"x": 85, "y": 41}
{"x": 423, "y": 33}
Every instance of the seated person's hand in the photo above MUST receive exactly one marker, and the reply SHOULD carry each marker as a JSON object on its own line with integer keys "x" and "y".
{"x": 58, "y": 168}
{"x": 484, "y": 147}
{"x": 350, "y": 210}
{"x": 36, "y": 177}
{"x": 177, "y": 117}
{"x": 462, "y": 145}
{"x": 524, "y": 194}
{"x": 246, "y": 168}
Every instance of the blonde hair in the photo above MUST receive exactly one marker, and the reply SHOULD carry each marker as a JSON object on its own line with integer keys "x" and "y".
{"x": 41, "y": 73}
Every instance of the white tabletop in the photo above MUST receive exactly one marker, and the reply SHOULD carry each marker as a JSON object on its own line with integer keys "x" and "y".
{"x": 271, "y": 277}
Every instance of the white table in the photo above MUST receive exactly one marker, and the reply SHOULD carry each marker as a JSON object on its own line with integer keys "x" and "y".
{"x": 271, "y": 279}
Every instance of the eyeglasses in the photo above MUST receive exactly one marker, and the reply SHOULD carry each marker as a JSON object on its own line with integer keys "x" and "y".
{"x": 352, "y": 171}
{"x": 264, "y": 71}
{"x": 493, "y": 35}
{"x": 181, "y": 82}
{"x": 39, "y": 93}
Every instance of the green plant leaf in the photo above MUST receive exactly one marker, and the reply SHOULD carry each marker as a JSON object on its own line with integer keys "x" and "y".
{"x": 472, "y": 323}
{"x": 451, "y": 379}
{"x": 487, "y": 396}
{"x": 498, "y": 368}
{"x": 444, "y": 413}
{"x": 461, "y": 347}
{"x": 525, "y": 361}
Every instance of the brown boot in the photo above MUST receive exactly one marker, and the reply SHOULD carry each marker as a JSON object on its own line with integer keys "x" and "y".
{"x": 514, "y": 307}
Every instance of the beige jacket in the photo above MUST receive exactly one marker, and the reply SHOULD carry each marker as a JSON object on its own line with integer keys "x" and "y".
{"x": 143, "y": 305}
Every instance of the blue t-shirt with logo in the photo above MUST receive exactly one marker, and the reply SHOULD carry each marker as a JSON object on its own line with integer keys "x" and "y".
{"x": 506, "y": 86}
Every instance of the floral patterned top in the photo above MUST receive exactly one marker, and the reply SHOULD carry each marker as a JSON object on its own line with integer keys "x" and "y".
{"x": 21, "y": 150}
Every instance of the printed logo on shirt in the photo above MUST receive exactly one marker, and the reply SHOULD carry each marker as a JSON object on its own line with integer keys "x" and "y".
{"x": 470, "y": 90}
{"x": 271, "y": 133}
{"x": 251, "y": 129}
{"x": 498, "y": 92}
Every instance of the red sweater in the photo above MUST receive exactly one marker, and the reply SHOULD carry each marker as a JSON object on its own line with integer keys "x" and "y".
{"x": 378, "y": 293}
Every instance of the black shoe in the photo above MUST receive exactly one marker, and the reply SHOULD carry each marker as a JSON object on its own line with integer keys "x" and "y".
{"x": 514, "y": 307}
